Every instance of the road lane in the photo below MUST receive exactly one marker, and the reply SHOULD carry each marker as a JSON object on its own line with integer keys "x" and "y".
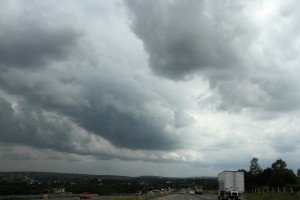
{"x": 188, "y": 197}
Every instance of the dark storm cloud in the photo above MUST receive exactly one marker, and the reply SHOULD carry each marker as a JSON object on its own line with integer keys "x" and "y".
{"x": 29, "y": 37}
{"x": 124, "y": 129}
{"x": 30, "y": 127}
{"x": 36, "y": 41}
{"x": 182, "y": 37}
{"x": 101, "y": 107}
{"x": 29, "y": 45}
{"x": 75, "y": 84}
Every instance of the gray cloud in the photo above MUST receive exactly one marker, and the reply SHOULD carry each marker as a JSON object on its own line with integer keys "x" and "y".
{"x": 126, "y": 129}
{"x": 45, "y": 41}
{"x": 103, "y": 107}
{"x": 30, "y": 127}
{"x": 29, "y": 37}
{"x": 33, "y": 46}
{"x": 75, "y": 84}
{"x": 184, "y": 37}
{"x": 287, "y": 140}
{"x": 224, "y": 43}
{"x": 182, "y": 119}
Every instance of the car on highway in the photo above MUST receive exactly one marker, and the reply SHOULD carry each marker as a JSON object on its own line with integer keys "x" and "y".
{"x": 85, "y": 195}
{"x": 139, "y": 192}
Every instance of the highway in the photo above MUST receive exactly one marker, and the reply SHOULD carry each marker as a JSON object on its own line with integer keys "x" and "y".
{"x": 188, "y": 197}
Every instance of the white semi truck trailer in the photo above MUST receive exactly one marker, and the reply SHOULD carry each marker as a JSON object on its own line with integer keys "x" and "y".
{"x": 231, "y": 185}
{"x": 198, "y": 189}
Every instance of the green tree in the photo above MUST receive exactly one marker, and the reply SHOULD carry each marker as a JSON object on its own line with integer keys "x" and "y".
{"x": 264, "y": 177}
{"x": 254, "y": 167}
{"x": 249, "y": 179}
{"x": 298, "y": 172}
{"x": 278, "y": 165}
{"x": 283, "y": 177}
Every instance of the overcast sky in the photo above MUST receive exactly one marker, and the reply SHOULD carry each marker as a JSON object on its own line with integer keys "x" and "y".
{"x": 138, "y": 87}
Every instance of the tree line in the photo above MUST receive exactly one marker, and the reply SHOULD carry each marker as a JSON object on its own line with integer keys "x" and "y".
{"x": 277, "y": 175}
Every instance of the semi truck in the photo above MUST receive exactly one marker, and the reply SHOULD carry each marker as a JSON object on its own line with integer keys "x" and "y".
{"x": 231, "y": 185}
{"x": 198, "y": 189}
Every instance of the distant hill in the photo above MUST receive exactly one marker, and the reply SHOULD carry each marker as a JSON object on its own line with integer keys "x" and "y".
{"x": 21, "y": 183}
{"x": 50, "y": 176}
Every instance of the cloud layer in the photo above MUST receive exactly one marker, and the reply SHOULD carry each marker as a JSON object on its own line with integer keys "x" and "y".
{"x": 148, "y": 83}
{"x": 246, "y": 50}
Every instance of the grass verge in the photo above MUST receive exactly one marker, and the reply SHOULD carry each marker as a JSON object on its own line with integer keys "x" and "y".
{"x": 272, "y": 196}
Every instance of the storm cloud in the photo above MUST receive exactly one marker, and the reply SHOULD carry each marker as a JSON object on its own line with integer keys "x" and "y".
{"x": 174, "y": 84}
{"x": 94, "y": 108}
{"x": 29, "y": 37}
{"x": 225, "y": 43}
{"x": 184, "y": 37}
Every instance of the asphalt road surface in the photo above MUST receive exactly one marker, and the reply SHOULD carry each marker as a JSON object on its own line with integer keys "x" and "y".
{"x": 188, "y": 197}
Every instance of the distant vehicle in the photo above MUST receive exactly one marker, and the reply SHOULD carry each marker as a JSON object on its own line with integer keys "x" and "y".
{"x": 198, "y": 189}
{"x": 231, "y": 185}
{"x": 139, "y": 192}
{"x": 85, "y": 195}
{"x": 191, "y": 192}
{"x": 156, "y": 191}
